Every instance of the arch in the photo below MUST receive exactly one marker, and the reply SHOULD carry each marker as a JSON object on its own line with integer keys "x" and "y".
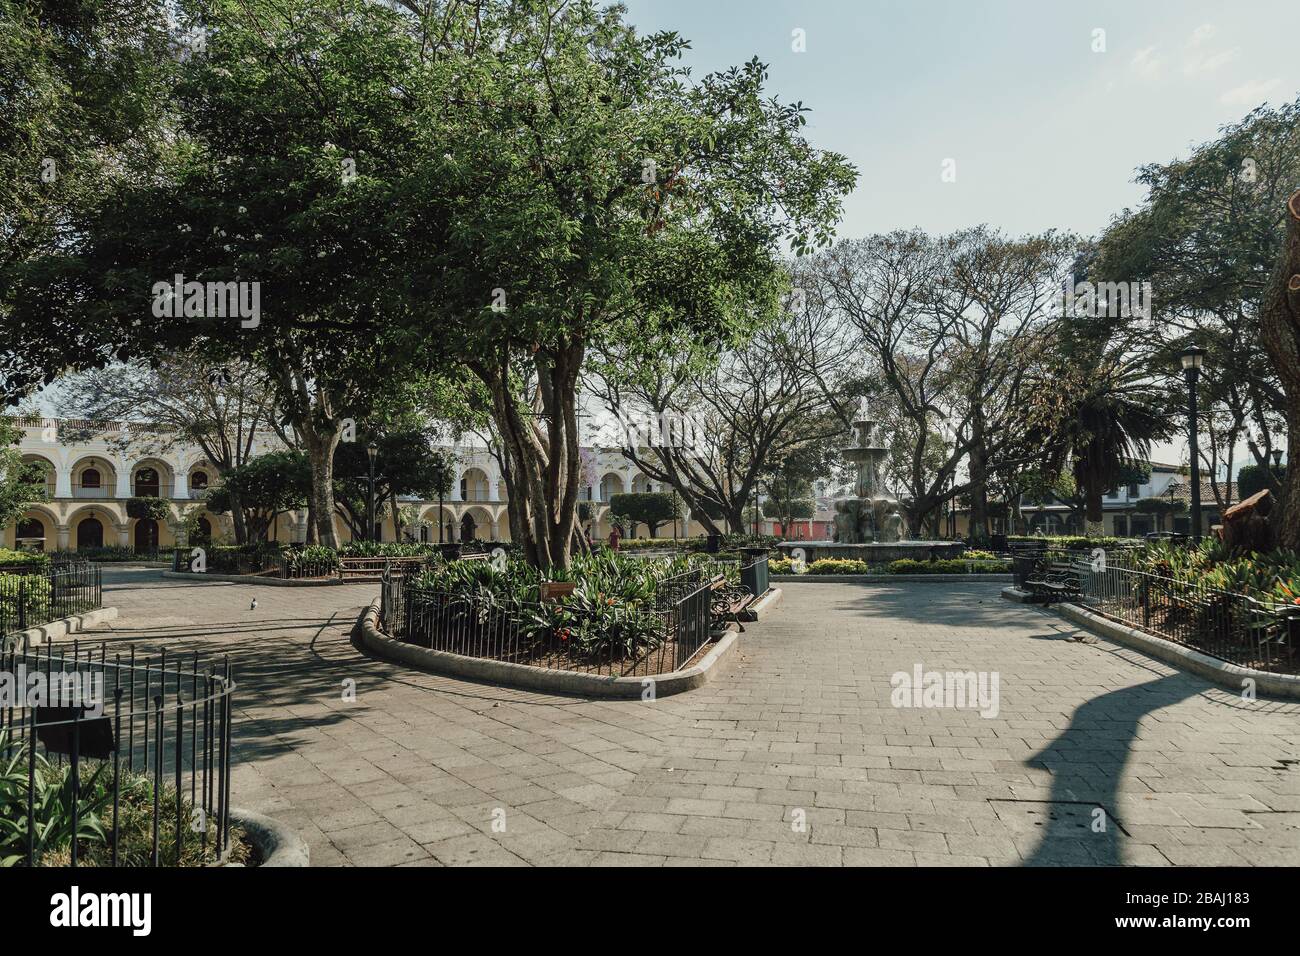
{"x": 200, "y": 479}
{"x": 640, "y": 484}
{"x": 51, "y": 471}
{"x": 152, "y": 478}
{"x": 474, "y": 485}
{"x": 202, "y": 531}
{"x": 145, "y": 536}
{"x": 480, "y": 524}
{"x": 90, "y": 533}
{"x": 94, "y": 476}
{"x": 430, "y": 517}
{"x": 611, "y": 483}
{"x": 30, "y": 533}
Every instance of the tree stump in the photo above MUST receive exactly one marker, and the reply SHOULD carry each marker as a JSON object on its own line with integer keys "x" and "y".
{"x": 1246, "y": 526}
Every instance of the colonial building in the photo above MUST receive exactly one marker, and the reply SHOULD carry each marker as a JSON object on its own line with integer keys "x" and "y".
{"x": 89, "y": 483}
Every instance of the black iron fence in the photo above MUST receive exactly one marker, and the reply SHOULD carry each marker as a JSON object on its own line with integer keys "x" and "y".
{"x": 754, "y": 575}
{"x": 617, "y": 639}
{"x": 1224, "y": 624}
{"x": 113, "y": 761}
{"x": 32, "y": 597}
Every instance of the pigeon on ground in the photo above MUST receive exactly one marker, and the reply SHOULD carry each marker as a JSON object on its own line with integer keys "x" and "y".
{"x": 253, "y": 606}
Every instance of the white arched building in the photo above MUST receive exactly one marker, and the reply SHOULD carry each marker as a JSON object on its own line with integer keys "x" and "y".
{"x": 89, "y": 483}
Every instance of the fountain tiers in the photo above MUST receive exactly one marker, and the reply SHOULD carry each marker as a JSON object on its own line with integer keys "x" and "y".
{"x": 868, "y": 525}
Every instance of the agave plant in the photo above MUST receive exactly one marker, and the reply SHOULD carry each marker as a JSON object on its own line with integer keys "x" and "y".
{"x": 52, "y": 805}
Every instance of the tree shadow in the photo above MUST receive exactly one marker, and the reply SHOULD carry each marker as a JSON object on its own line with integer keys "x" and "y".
{"x": 1086, "y": 761}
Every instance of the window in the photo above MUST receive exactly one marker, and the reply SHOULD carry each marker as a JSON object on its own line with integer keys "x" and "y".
{"x": 199, "y": 480}
{"x": 90, "y": 478}
{"x": 146, "y": 483}
{"x": 1133, "y": 490}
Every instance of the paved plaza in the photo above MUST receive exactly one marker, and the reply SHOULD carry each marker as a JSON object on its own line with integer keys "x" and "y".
{"x": 794, "y": 754}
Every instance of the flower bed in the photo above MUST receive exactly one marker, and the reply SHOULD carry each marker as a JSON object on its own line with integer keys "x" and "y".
{"x": 623, "y": 615}
{"x": 1273, "y": 577}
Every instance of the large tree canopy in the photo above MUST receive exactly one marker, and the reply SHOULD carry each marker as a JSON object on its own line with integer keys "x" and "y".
{"x": 492, "y": 189}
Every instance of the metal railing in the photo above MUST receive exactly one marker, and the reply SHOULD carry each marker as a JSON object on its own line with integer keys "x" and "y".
{"x": 132, "y": 757}
{"x": 754, "y": 576}
{"x": 627, "y": 640}
{"x": 30, "y": 598}
{"x": 1233, "y": 627}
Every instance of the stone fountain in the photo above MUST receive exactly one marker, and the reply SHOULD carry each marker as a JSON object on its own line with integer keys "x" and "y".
{"x": 869, "y": 525}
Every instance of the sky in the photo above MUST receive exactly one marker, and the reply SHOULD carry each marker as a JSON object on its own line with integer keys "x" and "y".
{"x": 1045, "y": 118}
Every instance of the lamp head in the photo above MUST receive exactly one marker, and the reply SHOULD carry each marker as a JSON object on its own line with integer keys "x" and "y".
{"x": 1192, "y": 357}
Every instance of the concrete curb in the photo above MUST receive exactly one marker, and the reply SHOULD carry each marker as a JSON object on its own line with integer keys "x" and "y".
{"x": 272, "y": 582}
{"x": 278, "y": 845}
{"x": 1228, "y": 676}
{"x": 507, "y": 674}
{"x": 768, "y": 602}
{"x": 895, "y": 578}
{"x": 36, "y": 636}
{"x": 1024, "y": 597}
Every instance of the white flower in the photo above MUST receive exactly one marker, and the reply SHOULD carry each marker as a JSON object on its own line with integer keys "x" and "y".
{"x": 243, "y": 209}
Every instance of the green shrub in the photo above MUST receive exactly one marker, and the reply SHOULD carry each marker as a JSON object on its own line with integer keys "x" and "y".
{"x": 384, "y": 549}
{"x": 948, "y": 566}
{"x": 316, "y": 557}
{"x": 35, "y": 560}
{"x": 1273, "y": 576}
{"x": 839, "y": 566}
{"x": 147, "y": 507}
{"x": 52, "y": 806}
{"x": 28, "y": 594}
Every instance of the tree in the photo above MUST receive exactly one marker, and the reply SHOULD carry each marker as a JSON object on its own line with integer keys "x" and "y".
{"x": 81, "y": 99}
{"x": 626, "y": 201}
{"x": 957, "y": 334}
{"x": 1281, "y": 321}
{"x": 406, "y": 464}
{"x": 265, "y": 486}
{"x": 651, "y": 508}
{"x": 1207, "y": 237}
{"x": 493, "y": 189}
{"x": 22, "y": 484}
{"x": 715, "y": 428}
{"x": 1252, "y": 479}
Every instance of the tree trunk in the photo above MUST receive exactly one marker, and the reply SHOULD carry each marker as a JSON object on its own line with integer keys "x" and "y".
{"x": 977, "y": 532}
{"x": 1281, "y": 333}
{"x": 320, "y": 451}
{"x": 239, "y": 519}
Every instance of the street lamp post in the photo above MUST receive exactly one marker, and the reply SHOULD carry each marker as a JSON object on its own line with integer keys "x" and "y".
{"x": 372, "y": 450}
{"x": 1192, "y": 358}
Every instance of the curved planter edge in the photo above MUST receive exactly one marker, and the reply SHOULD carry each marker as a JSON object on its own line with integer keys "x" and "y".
{"x": 44, "y": 633}
{"x": 522, "y": 676}
{"x": 278, "y": 845}
{"x": 1228, "y": 676}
